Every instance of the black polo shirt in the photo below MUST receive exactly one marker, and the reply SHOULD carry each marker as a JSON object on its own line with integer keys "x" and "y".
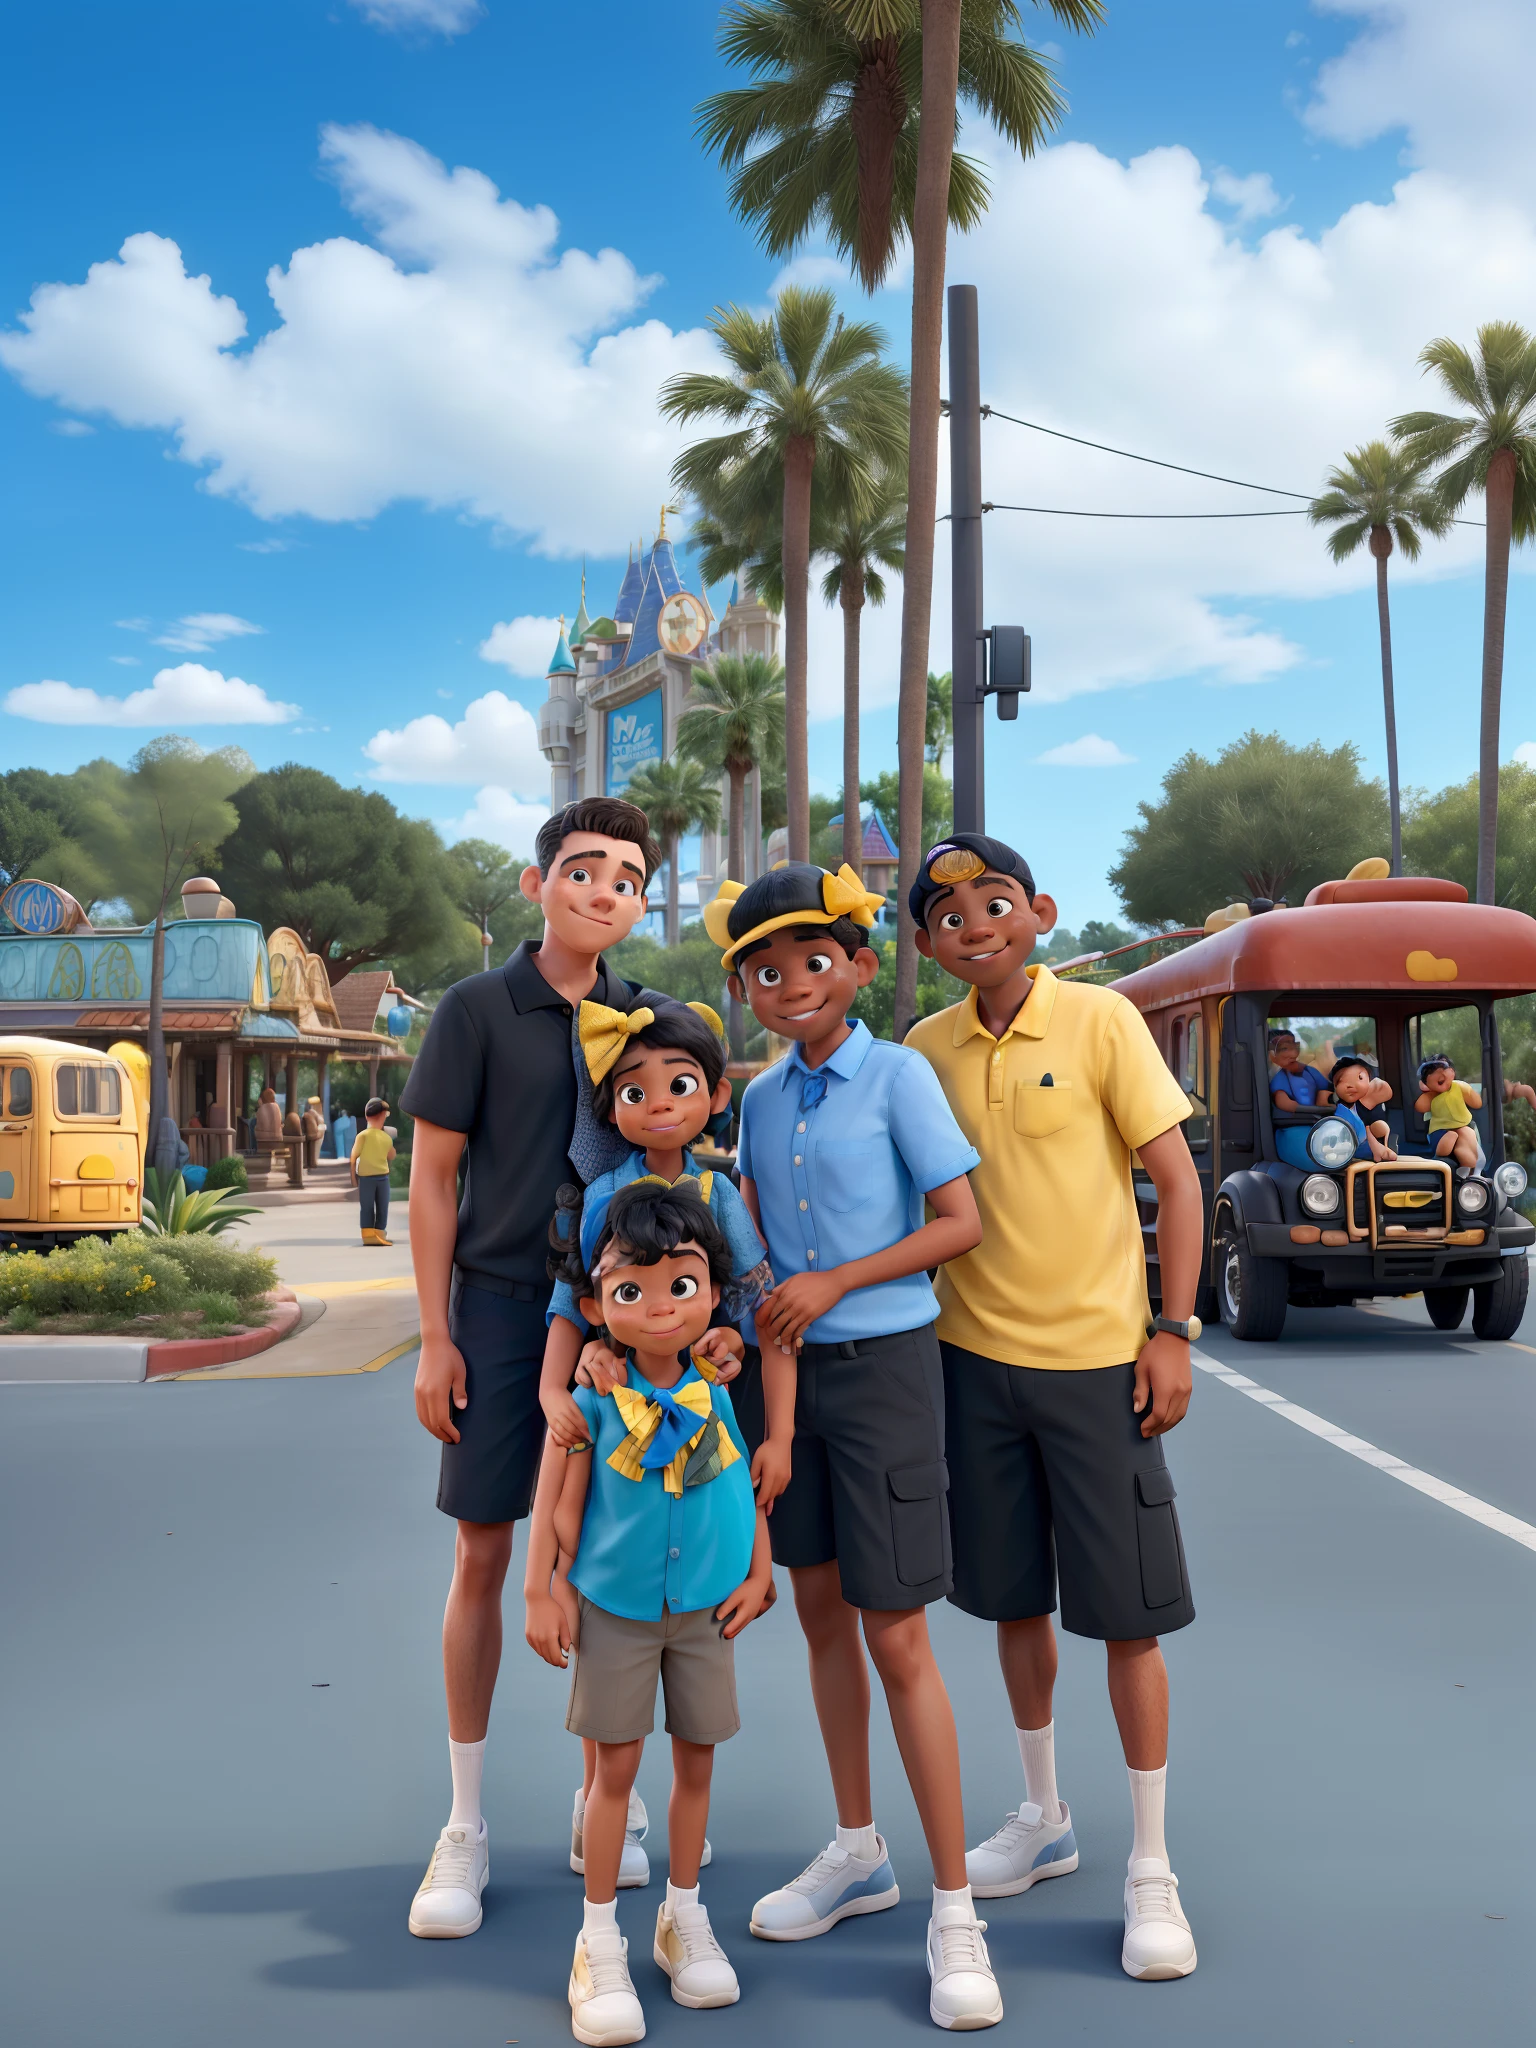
{"x": 496, "y": 1064}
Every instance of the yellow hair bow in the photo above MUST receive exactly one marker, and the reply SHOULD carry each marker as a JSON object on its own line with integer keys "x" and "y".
{"x": 717, "y": 914}
{"x": 845, "y": 895}
{"x": 711, "y": 1017}
{"x": 604, "y": 1033}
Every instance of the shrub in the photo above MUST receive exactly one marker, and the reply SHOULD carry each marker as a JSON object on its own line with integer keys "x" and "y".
{"x": 228, "y": 1172}
{"x": 216, "y": 1268}
{"x": 220, "y": 1312}
{"x": 128, "y": 1276}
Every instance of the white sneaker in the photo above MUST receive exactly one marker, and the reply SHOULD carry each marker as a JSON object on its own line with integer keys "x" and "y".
{"x": 447, "y": 1901}
{"x": 687, "y": 1950}
{"x": 964, "y": 1994}
{"x": 831, "y": 1887}
{"x": 634, "y": 1864}
{"x": 1158, "y": 1942}
{"x": 1025, "y": 1848}
{"x": 604, "y": 2008}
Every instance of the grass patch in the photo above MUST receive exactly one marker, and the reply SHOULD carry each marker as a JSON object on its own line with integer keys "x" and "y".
{"x": 136, "y": 1285}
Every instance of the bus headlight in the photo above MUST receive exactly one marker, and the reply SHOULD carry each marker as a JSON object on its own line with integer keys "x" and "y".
{"x": 1472, "y": 1197}
{"x": 1319, "y": 1195}
{"x": 1331, "y": 1143}
{"x": 1510, "y": 1179}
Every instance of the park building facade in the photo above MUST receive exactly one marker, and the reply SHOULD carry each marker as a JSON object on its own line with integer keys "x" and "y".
{"x": 619, "y": 684}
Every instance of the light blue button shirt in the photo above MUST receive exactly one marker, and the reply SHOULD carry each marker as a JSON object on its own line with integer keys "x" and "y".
{"x": 643, "y": 1548}
{"x": 845, "y": 1177}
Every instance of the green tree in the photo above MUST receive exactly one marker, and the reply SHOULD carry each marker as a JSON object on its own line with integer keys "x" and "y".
{"x": 40, "y": 822}
{"x": 353, "y": 878}
{"x": 150, "y": 830}
{"x": 1263, "y": 819}
{"x": 939, "y": 725}
{"x": 1489, "y": 447}
{"x": 868, "y": 535}
{"x": 938, "y": 812}
{"x": 678, "y": 796}
{"x": 804, "y": 389}
{"x": 1376, "y": 495}
{"x": 1440, "y": 836}
{"x": 484, "y": 877}
{"x": 733, "y": 723}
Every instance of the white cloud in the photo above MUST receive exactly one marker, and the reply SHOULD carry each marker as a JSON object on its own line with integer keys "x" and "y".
{"x": 496, "y": 739}
{"x": 1455, "y": 79}
{"x": 1252, "y": 198}
{"x": 1088, "y": 752}
{"x": 199, "y": 631}
{"x": 497, "y": 814}
{"x": 265, "y": 547}
{"x": 462, "y": 362}
{"x": 185, "y": 695}
{"x": 73, "y": 430}
{"x": 133, "y": 625}
{"x": 523, "y": 646}
{"x": 446, "y": 695}
{"x": 126, "y": 660}
{"x": 811, "y": 272}
{"x": 402, "y": 17}
{"x": 1525, "y": 754}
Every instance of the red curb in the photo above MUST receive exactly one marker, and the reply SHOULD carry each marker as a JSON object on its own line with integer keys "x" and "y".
{"x": 184, "y": 1354}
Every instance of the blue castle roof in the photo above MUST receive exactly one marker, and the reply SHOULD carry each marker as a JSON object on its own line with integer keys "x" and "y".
{"x": 628, "y": 601}
{"x": 662, "y": 580}
{"x": 562, "y": 663}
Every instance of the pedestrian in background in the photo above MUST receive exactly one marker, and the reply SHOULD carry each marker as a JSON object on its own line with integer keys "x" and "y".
{"x": 372, "y": 1150}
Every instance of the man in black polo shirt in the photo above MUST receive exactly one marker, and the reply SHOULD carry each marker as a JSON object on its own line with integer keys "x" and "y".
{"x": 497, "y": 1075}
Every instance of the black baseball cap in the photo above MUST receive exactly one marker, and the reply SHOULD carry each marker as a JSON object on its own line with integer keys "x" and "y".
{"x": 949, "y": 859}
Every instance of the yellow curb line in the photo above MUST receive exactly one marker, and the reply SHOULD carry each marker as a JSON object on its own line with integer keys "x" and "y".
{"x": 331, "y": 1372}
{"x": 333, "y": 1290}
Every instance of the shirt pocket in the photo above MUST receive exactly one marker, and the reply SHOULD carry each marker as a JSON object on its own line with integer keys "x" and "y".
{"x": 1039, "y": 1111}
{"x": 848, "y": 1176}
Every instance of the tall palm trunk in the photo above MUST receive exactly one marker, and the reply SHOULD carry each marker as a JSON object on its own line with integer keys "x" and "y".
{"x": 1381, "y": 547}
{"x": 799, "y": 461}
{"x": 669, "y": 918}
{"x": 1499, "y": 499}
{"x": 736, "y": 868}
{"x": 852, "y": 598}
{"x": 935, "y": 149}
{"x": 159, "y": 1093}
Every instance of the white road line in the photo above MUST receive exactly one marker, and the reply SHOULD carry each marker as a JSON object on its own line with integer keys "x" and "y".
{"x": 1422, "y": 1482}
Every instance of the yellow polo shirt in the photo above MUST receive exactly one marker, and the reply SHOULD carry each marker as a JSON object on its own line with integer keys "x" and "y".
{"x": 1059, "y": 1278}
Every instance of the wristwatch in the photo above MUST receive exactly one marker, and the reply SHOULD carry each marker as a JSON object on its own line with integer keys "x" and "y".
{"x": 1189, "y": 1331}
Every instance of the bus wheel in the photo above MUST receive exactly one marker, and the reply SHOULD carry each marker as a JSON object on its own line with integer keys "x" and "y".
{"x": 1498, "y": 1307}
{"x": 1252, "y": 1291}
{"x": 1446, "y": 1305}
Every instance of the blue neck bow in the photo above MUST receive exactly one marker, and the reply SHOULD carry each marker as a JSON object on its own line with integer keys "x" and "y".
{"x": 676, "y": 1426}
{"x": 813, "y": 1091}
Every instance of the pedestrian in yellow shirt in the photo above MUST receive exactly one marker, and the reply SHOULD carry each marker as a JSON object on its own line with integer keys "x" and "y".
{"x": 372, "y": 1150}
{"x": 1058, "y": 1384}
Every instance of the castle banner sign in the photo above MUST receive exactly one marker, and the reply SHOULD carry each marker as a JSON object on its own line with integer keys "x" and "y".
{"x": 636, "y": 735}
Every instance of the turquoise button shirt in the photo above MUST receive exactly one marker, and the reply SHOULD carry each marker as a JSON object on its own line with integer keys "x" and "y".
{"x": 643, "y": 1549}
{"x": 845, "y": 1177}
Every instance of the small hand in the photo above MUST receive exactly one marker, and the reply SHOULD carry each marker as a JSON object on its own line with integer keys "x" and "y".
{"x": 754, "y": 1596}
{"x": 440, "y": 1388}
{"x": 547, "y": 1630}
{"x": 770, "y": 1472}
{"x": 1164, "y": 1383}
{"x": 795, "y": 1304}
{"x": 601, "y": 1367}
{"x": 723, "y": 1347}
{"x": 567, "y": 1424}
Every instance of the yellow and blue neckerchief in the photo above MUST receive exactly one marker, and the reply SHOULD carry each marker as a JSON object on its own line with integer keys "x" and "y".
{"x": 677, "y": 1434}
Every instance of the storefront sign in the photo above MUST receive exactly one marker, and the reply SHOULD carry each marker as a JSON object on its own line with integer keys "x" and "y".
{"x": 635, "y": 736}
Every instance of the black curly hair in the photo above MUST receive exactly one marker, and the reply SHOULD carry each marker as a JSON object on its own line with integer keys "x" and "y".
{"x": 676, "y": 1028}
{"x": 648, "y": 1220}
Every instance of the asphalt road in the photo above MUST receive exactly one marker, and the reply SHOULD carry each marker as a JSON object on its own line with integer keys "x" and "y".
{"x": 224, "y": 1755}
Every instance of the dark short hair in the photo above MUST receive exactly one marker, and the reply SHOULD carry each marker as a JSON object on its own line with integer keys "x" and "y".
{"x": 676, "y": 1028}
{"x": 1283, "y": 1031}
{"x": 648, "y": 1221}
{"x": 850, "y": 936}
{"x": 1438, "y": 1059}
{"x": 612, "y": 816}
{"x": 995, "y": 854}
{"x": 375, "y": 1106}
{"x": 1349, "y": 1059}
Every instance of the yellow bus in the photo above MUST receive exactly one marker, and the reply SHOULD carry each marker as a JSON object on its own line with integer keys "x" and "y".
{"x": 71, "y": 1146}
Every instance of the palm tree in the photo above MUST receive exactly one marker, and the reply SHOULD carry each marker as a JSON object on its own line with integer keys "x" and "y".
{"x": 1377, "y": 493}
{"x": 677, "y": 796}
{"x": 868, "y": 537}
{"x": 734, "y": 723}
{"x": 837, "y": 80}
{"x": 1491, "y": 447}
{"x": 806, "y": 391}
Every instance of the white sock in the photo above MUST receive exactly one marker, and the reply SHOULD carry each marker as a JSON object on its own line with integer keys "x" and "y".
{"x": 676, "y": 1896}
{"x": 1037, "y": 1752}
{"x": 960, "y": 1899}
{"x": 595, "y": 1918}
{"x": 467, "y": 1760}
{"x": 1147, "y": 1790}
{"x": 860, "y": 1842}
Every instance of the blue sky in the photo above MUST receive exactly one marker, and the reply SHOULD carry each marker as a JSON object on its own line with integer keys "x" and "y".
{"x": 1250, "y": 222}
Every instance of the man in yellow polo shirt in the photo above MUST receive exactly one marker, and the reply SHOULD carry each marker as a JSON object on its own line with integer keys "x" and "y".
{"x": 1058, "y": 1387}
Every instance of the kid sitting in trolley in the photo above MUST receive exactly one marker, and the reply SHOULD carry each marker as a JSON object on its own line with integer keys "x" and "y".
{"x": 647, "y": 1555}
{"x": 1449, "y": 1104}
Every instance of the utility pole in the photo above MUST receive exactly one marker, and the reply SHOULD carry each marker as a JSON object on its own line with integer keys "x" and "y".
{"x": 966, "y": 657}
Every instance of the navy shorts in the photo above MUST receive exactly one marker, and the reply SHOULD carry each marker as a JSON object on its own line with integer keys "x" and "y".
{"x": 489, "y": 1474}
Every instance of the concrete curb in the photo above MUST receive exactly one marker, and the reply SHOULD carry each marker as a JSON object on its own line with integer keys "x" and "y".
{"x": 125, "y": 1361}
{"x": 185, "y": 1354}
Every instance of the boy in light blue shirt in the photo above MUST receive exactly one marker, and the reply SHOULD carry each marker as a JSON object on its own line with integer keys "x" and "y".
{"x": 843, "y": 1145}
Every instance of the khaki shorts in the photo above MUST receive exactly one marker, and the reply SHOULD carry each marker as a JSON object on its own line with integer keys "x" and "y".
{"x": 617, "y": 1661}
